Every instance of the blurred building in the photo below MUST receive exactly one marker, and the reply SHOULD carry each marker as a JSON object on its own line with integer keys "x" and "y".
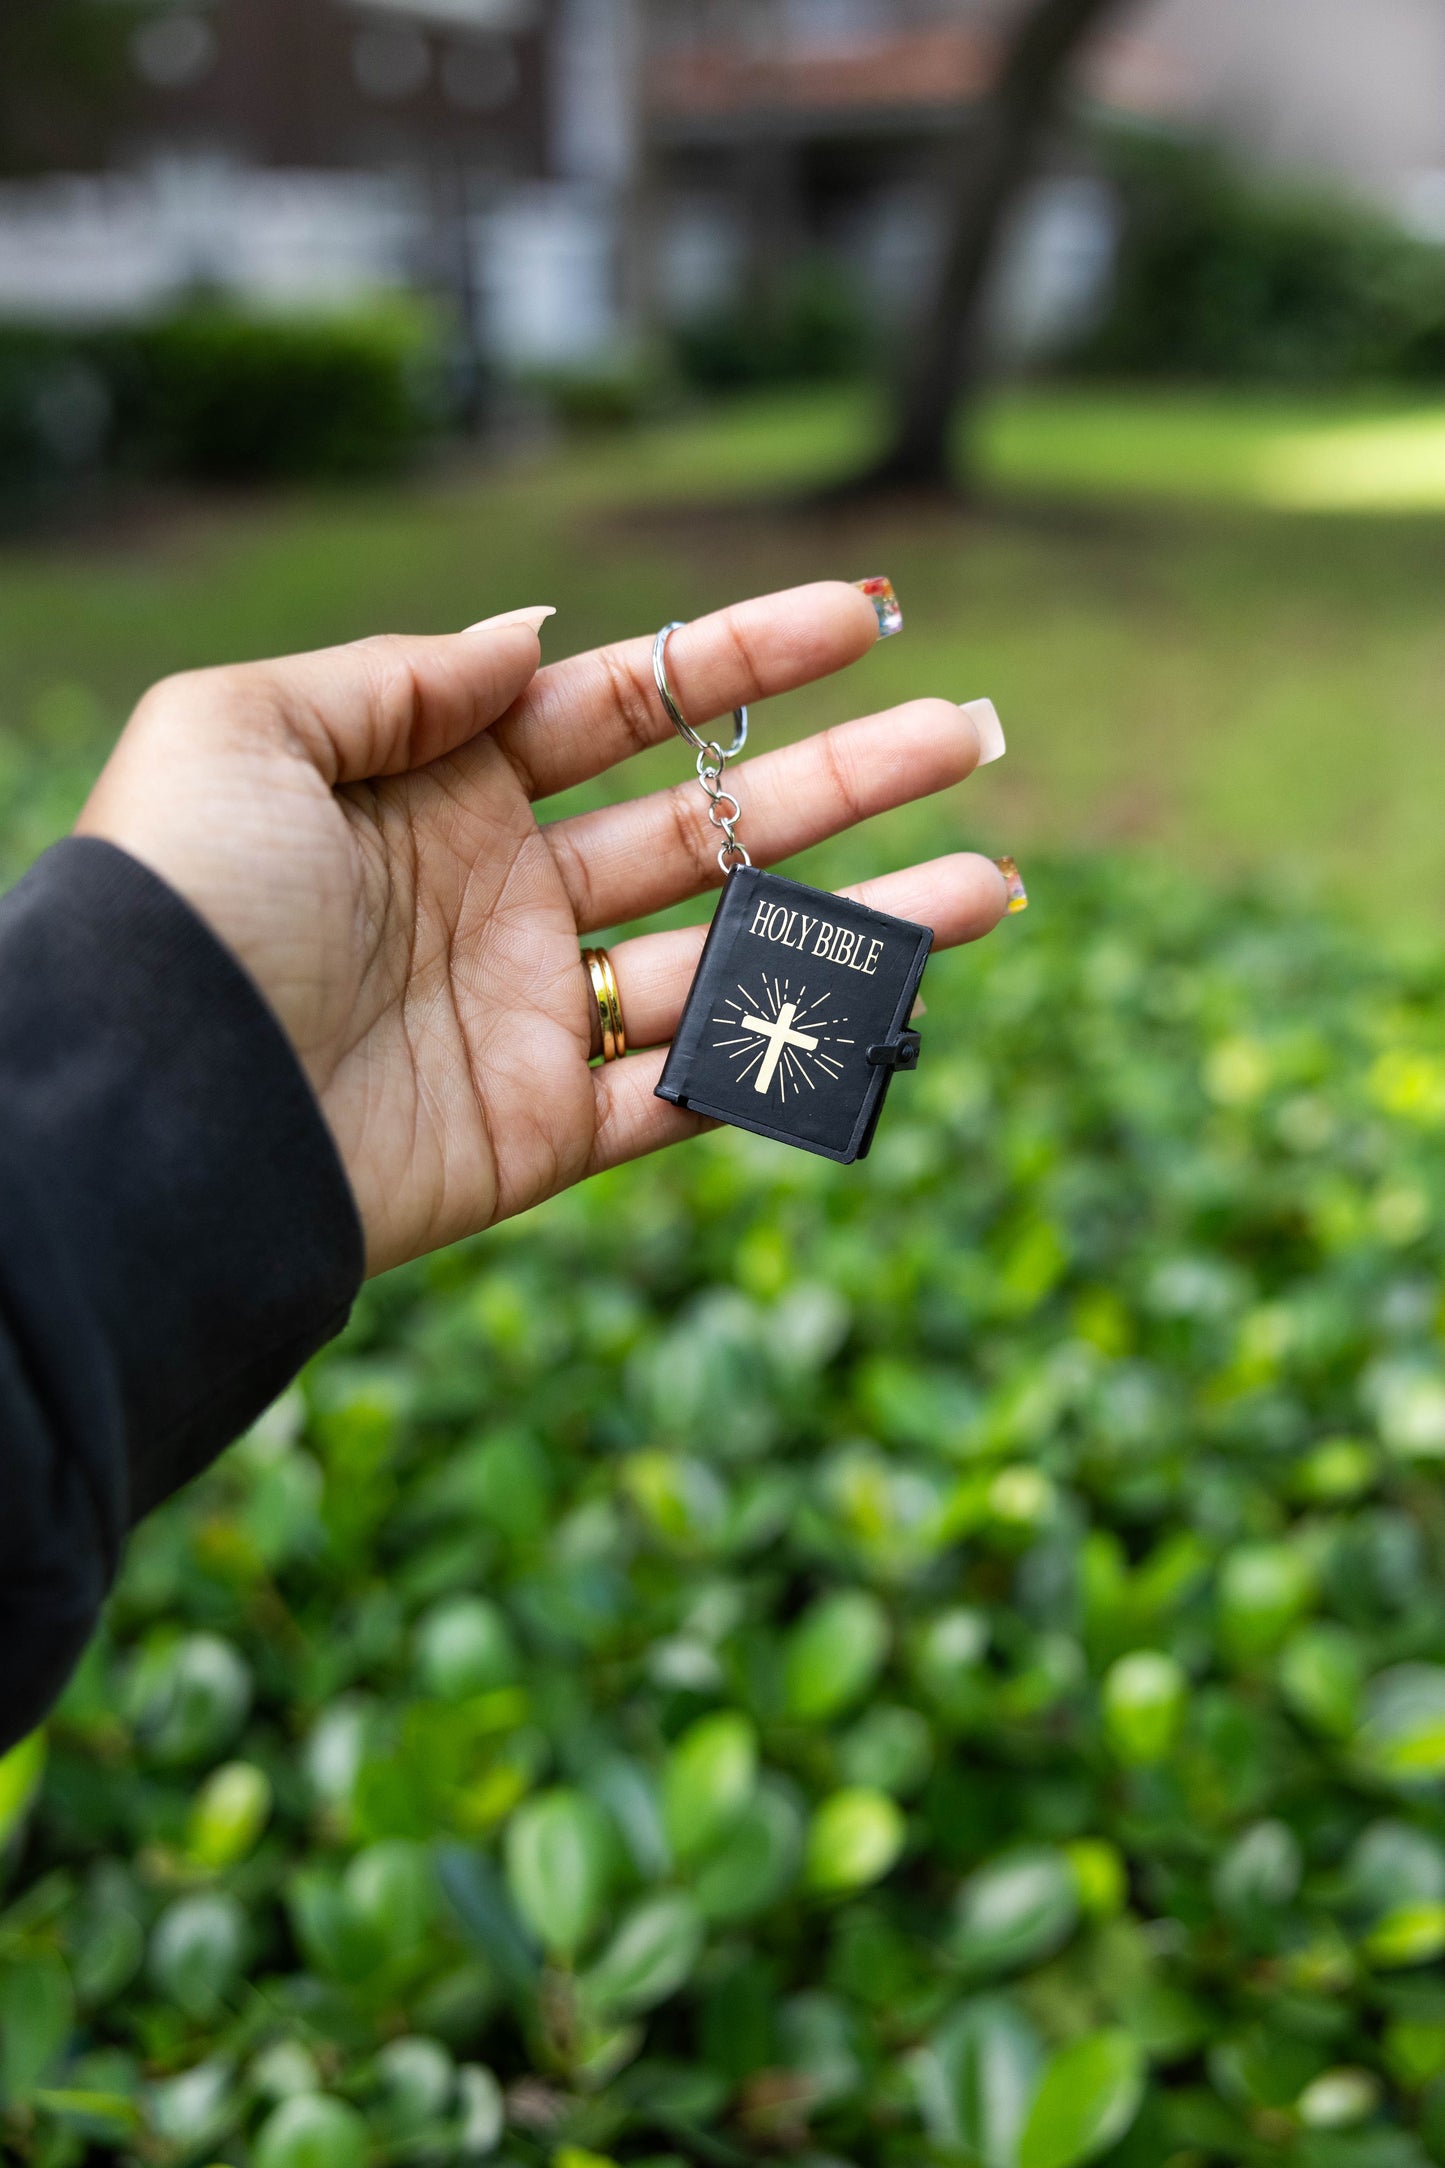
{"x": 290, "y": 150}
{"x": 570, "y": 169}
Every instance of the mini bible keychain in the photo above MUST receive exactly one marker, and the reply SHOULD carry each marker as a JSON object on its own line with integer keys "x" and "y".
{"x": 799, "y": 1014}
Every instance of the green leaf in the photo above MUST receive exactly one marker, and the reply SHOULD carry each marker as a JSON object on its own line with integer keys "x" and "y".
{"x": 109, "y": 1953}
{"x": 1413, "y": 1934}
{"x": 1260, "y": 1873}
{"x": 1144, "y": 1701}
{"x": 231, "y": 1810}
{"x": 418, "y": 2077}
{"x": 749, "y": 1869}
{"x": 20, "y": 1773}
{"x": 1432, "y": 2120}
{"x": 976, "y": 2078}
{"x": 816, "y": 2038}
{"x": 312, "y": 2131}
{"x": 889, "y": 1749}
{"x": 196, "y": 1950}
{"x": 627, "y": 1791}
{"x": 107, "y": 2115}
{"x": 483, "y": 2111}
{"x": 337, "y": 1944}
{"x": 1402, "y": 1735}
{"x": 1393, "y": 1864}
{"x": 37, "y": 2010}
{"x": 1101, "y": 1876}
{"x": 834, "y": 1654}
{"x": 855, "y": 1838}
{"x": 1264, "y": 1588}
{"x": 390, "y": 1889}
{"x": 486, "y": 1913}
{"x": 649, "y": 1958}
{"x": 1321, "y": 1673}
{"x": 1338, "y": 2098}
{"x": 949, "y": 1657}
{"x": 558, "y": 1852}
{"x": 1414, "y": 2051}
{"x": 1015, "y": 1910}
{"x": 1264, "y": 2066}
{"x": 711, "y": 1775}
{"x": 1090, "y": 2094}
{"x": 464, "y": 1646}
{"x": 194, "y": 2108}
{"x": 191, "y": 1698}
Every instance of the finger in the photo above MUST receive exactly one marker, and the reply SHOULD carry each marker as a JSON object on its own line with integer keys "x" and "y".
{"x": 386, "y": 705}
{"x": 962, "y": 897}
{"x": 580, "y": 717}
{"x": 626, "y": 860}
{"x": 631, "y": 1120}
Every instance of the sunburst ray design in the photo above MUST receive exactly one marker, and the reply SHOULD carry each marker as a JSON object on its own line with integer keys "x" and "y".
{"x": 781, "y": 1040}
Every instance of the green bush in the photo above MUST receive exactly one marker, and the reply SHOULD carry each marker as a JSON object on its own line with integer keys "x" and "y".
{"x": 55, "y": 414}
{"x": 227, "y": 396}
{"x": 598, "y": 400}
{"x": 1227, "y": 276}
{"x": 213, "y": 393}
{"x": 816, "y": 330}
{"x": 938, "y": 1663}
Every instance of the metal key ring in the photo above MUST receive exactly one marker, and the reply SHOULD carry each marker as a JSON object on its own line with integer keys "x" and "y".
{"x": 666, "y": 694}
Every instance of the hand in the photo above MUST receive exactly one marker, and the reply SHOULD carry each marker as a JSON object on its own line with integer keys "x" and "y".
{"x": 357, "y": 826}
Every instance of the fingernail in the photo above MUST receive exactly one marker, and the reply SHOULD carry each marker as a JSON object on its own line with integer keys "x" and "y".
{"x": 535, "y": 617}
{"x": 1013, "y": 881}
{"x": 886, "y": 605}
{"x": 918, "y": 1011}
{"x": 992, "y": 744}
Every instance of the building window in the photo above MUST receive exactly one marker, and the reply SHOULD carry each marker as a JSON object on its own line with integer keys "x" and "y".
{"x": 173, "y": 51}
{"x": 391, "y": 64}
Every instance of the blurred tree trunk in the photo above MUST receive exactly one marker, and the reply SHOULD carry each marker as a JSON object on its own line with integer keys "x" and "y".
{"x": 997, "y": 152}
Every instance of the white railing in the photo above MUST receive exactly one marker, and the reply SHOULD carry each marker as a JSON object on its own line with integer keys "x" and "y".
{"x": 121, "y": 245}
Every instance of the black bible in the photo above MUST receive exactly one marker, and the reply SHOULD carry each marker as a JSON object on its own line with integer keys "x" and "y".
{"x": 798, "y": 1016}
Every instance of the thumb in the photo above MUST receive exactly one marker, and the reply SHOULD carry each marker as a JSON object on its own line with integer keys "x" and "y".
{"x": 385, "y": 705}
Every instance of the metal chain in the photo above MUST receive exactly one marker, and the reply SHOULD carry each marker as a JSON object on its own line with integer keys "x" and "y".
{"x": 712, "y": 761}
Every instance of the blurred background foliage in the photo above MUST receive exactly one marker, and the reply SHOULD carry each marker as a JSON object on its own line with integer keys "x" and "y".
{"x": 1221, "y": 277}
{"x": 1225, "y": 274}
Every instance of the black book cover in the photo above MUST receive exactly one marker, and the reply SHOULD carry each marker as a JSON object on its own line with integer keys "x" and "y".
{"x": 798, "y": 1015}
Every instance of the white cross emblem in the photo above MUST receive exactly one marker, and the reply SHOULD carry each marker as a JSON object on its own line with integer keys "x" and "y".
{"x": 787, "y": 1047}
{"x": 781, "y": 1035}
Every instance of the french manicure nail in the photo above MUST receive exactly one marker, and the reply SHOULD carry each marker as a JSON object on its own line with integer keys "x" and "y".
{"x": 536, "y": 617}
{"x": 886, "y": 605}
{"x": 1013, "y": 881}
{"x": 992, "y": 744}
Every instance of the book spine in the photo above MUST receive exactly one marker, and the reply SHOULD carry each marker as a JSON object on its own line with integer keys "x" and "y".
{"x": 675, "y": 1081}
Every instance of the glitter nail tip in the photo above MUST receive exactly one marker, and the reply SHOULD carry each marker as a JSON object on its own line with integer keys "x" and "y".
{"x": 992, "y": 744}
{"x": 886, "y": 605}
{"x": 1018, "y": 895}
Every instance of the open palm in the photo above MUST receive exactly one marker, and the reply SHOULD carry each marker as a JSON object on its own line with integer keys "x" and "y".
{"x": 358, "y": 826}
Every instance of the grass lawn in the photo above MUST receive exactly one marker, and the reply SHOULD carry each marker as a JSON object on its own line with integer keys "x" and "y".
{"x": 1215, "y": 626}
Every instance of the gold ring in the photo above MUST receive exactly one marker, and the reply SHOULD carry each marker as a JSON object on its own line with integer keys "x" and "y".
{"x": 608, "y": 1000}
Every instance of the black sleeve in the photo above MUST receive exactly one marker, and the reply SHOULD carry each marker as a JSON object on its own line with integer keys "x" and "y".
{"x": 177, "y": 1234}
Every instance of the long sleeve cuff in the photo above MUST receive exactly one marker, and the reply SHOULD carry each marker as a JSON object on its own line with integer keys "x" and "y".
{"x": 177, "y": 1234}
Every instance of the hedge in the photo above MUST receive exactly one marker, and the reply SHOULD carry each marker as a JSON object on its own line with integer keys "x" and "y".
{"x": 939, "y": 1663}
{"x": 214, "y": 393}
{"x": 1228, "y": 275}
